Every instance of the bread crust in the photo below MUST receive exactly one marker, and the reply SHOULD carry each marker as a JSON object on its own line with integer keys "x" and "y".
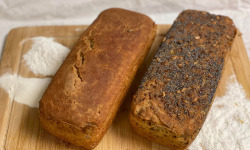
{"x": 177, "y": 91}
{"x": 82, "y": 99}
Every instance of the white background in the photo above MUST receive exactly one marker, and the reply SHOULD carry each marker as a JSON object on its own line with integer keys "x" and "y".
{"x": 16, "y": 13}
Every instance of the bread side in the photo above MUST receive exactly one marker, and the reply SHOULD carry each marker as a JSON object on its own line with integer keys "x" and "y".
{"x": 82, "y": 99}
{"x": 177, "y": 91}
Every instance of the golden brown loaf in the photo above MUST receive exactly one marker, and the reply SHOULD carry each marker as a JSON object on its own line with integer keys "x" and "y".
{"x": 177, "y": 91}
{"x": 82, "y": 99}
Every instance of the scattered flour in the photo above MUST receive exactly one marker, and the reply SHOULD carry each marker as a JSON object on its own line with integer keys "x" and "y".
{"x": 78, "y": 29}
{"x": 45, "y": 56}
{"x": 228, "y": 123}
{"x": 24, "y": 90}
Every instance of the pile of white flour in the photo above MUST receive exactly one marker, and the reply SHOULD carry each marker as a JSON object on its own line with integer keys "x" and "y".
{"x": 45, "y": 56}
{"x": 27, "y": 91}
{"x": 227, "y": 125}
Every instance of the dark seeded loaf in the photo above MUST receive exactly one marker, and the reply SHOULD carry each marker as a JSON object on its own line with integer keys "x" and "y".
{"x": 82, "y": 99}
{"x": 177, "y": 91}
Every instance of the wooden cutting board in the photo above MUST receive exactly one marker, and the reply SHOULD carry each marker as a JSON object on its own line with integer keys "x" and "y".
{"x": 19, "y": 123}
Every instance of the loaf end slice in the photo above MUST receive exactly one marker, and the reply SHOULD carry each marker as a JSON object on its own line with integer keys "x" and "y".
{"x": 177, "y": 91}
{"x": 83, "y": 97}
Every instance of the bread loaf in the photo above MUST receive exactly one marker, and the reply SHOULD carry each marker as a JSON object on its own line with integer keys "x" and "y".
{"x": 82, "y": 99}
{"x": 177, "y": 91}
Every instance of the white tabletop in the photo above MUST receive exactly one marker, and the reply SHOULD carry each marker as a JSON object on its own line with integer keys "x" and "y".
{"x": 16, "y": 13}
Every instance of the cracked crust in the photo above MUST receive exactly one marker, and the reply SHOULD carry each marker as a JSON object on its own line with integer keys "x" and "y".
{"x": 177, "y": 91}
{"x": 83, "y": 97}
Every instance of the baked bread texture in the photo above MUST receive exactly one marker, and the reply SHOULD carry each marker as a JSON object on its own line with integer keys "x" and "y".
{"x": 82, "y": 99}
{"x": 177, "y": 91}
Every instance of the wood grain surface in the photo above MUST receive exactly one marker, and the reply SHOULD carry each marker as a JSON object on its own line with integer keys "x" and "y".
{"x": 19, "y": 124}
